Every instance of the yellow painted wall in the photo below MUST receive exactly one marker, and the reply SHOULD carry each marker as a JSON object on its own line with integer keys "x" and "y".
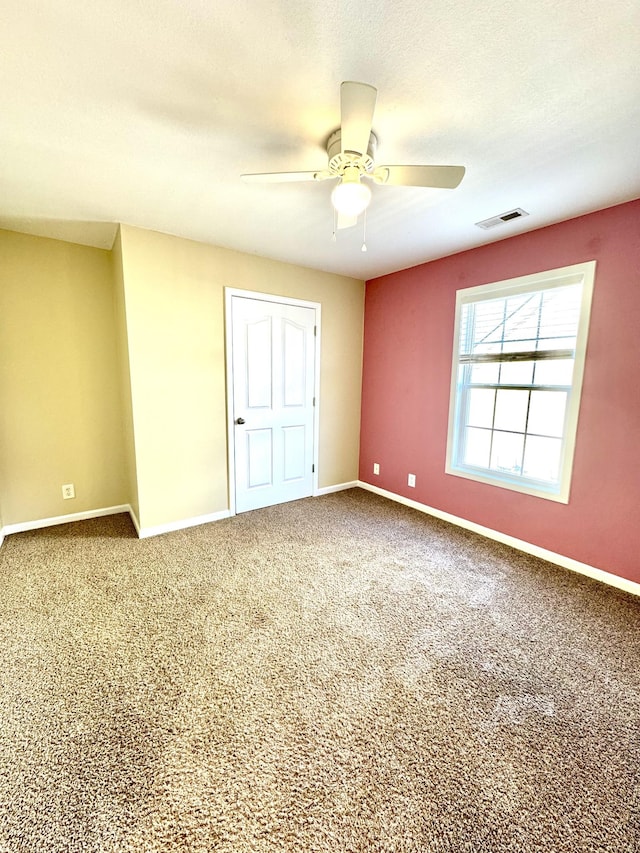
{"x": 174, "y": 296}
{"x": 112, "y": 373}
{"x": 60, "y": 402}
{"x": 122, "y": 344}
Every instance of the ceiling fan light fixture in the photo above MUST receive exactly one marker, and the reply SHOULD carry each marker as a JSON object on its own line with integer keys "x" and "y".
{"x": 351, "y": 196}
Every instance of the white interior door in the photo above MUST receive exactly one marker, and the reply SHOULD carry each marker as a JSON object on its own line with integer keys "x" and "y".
{"x": 273, "y": 376}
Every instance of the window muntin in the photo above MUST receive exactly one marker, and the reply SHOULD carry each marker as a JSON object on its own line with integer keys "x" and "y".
{"x": 519, "y": 351}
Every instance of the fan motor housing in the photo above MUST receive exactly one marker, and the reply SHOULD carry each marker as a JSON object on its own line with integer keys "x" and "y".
{"x": 339, "y": 160}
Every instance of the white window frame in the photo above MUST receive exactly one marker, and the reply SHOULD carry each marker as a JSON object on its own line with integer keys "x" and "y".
{"x": 583, "y": 274}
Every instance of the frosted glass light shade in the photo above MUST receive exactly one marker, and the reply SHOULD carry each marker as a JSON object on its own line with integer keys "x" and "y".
{"x": 350, "y": 198}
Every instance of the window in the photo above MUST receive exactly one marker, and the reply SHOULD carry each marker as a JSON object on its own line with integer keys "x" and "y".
{"x": 519, "y": 349}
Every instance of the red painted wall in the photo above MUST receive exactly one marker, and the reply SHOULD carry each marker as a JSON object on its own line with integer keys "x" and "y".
{"x": 408, "y": 343}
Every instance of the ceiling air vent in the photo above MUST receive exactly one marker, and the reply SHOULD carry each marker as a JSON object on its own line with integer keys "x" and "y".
{"x": 504, "y": 217}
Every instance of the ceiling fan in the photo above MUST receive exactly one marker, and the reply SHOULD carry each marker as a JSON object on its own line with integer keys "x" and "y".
{"x": 351, "y": 151}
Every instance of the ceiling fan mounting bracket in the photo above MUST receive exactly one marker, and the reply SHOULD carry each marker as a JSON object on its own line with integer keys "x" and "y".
{"x": 339, "y": 160}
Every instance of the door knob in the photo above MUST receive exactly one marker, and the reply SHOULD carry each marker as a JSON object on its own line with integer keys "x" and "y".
{"x": 239, "y": 420}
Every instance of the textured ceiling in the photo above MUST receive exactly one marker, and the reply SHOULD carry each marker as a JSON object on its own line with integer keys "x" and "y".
{"x": 148, "y": 113}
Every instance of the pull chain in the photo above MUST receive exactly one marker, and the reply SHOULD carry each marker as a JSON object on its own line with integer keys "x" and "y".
{"x": 364, "y": 232}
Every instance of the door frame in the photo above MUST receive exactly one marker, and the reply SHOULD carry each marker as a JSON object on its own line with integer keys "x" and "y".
{"x": 229, "y": 293}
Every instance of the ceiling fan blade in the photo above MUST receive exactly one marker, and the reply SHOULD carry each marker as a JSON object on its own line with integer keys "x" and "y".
{"x": 281, "y": 177}
{"x": 357, "y": 103}
{"x": 346, "y": 221}
{"x": 445, "y": 177}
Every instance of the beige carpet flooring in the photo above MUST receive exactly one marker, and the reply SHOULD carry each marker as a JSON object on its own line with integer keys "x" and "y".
{"x": 336, "y": 674}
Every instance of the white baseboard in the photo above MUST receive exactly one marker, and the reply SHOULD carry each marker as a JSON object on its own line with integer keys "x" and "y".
{"x": 143, "y": 532}
{"x": 339, "y": 487}
{"x": 519, "y": 544}
{"x": 38, "y": 523}
{"x": 134, "y": 519}
{"x": 170, "y": 527}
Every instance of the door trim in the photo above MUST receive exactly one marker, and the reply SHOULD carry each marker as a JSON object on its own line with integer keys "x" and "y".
{"x": 229, "y": 293}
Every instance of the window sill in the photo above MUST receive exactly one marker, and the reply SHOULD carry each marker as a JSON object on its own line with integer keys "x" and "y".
{"x": 550, "y": 493}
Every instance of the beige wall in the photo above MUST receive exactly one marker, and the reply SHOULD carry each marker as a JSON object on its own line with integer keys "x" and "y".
{"x": 124, "y": 376}
{"x": 112, "y": 373}
{"x": 60, "y": 409}
{"x": 174, "y": 296}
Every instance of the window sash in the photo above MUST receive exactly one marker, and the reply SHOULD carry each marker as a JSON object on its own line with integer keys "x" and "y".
{"x": 513, "y": 476}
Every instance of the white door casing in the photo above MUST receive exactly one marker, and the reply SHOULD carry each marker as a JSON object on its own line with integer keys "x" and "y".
{"x": 272, "y": 361}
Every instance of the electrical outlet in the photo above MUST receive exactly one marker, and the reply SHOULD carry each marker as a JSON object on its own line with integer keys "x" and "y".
{"x": 68, "y": 491}
{"x": 411, "y": 480}
{"x": 376, "y": 468}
